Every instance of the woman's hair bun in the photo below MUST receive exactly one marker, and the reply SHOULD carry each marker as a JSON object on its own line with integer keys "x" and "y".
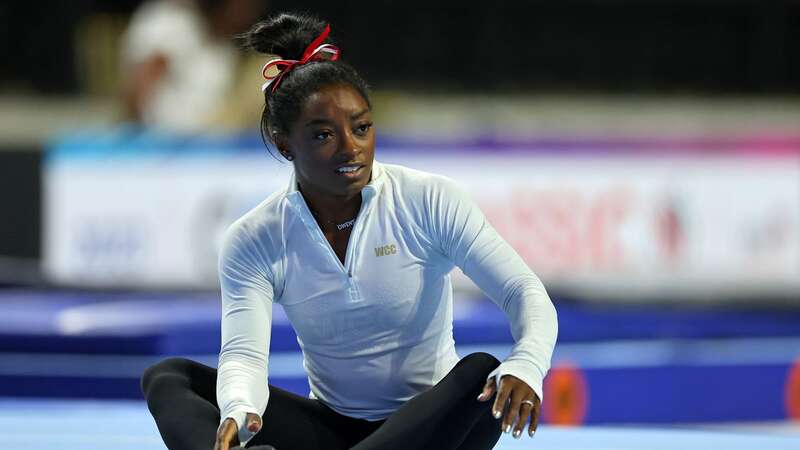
{"x": 285, "y": 35}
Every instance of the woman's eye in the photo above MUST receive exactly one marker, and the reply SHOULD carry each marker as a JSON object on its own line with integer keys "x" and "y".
{"x": 364, "y": 128}
{"x": 322, "y": 135}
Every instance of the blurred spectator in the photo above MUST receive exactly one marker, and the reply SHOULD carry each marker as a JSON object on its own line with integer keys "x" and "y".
{"x": 181, "y": 71}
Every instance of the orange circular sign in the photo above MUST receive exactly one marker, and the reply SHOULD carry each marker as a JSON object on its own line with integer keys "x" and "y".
{"x": 565, "y": 390}
{"x": 792, "y": 392}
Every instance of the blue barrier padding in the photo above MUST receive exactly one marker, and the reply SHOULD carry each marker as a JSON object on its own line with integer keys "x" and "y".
{"x": 69, "y": 387}
{"x": 102, "y": 388}
{"x": 142, "y": 344}
{"x": 676, "y": 393}
{"x": 587, "y": 322}
{"x": 166, "y": 324}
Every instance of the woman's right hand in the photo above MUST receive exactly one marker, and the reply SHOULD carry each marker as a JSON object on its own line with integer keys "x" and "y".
{"x": 228, "y": 433}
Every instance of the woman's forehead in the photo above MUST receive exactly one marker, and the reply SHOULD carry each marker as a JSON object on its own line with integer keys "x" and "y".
{"x": 332, "y": 101}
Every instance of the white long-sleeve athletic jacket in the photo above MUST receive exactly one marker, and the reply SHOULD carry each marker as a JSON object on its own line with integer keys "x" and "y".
{"x": 376, "y": 330}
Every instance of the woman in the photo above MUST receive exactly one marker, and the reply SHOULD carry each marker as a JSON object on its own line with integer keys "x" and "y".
{"x": 358, "y": 254}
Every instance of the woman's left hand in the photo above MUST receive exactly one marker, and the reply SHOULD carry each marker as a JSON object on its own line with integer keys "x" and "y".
{"x": 522, "y": 403}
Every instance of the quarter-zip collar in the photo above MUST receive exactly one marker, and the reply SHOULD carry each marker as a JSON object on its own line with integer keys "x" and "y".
{"x": 368, "y": 195}
{"x": 370, "y": 191}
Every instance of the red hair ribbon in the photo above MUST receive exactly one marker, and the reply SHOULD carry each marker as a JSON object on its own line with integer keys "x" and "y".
{"x": 316, "y": 51}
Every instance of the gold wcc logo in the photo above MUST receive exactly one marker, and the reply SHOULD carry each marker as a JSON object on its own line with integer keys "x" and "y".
{"x": 386, "y": 250}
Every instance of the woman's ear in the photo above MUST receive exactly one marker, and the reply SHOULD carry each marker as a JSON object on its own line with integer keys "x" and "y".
{"x": 283, "y": 145}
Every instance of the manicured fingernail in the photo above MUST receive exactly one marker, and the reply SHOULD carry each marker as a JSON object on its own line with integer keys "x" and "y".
{"x": 480, "y": 396}
{"x": 532, "y": 433}
{"x": 517, "y": 433}
{"x": 496, "y": 414}
{"x": 508, "y": 428}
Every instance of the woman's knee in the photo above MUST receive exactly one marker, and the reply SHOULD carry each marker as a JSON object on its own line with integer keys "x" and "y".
{"x": 169, "y": 368}
{"x": 473, "y": 369}
{"x": 481, "y": 362}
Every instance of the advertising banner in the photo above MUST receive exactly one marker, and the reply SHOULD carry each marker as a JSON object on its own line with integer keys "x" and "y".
{"x": 616, "y": 226}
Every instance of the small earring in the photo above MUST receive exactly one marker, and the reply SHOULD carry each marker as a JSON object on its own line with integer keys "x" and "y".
{"x": 289, "y": 157}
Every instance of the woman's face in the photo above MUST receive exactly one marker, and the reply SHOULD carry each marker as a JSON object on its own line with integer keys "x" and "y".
{"x": 332, "y": 142}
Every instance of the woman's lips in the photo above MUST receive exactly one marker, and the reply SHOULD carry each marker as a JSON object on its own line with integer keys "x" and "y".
{"x": 351, "y": 174}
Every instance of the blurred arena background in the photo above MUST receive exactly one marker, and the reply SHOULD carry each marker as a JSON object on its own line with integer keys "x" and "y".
{"x": 643, "y": 157}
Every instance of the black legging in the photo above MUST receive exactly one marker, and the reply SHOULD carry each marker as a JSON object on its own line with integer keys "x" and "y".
{"x": 181, "y": 395}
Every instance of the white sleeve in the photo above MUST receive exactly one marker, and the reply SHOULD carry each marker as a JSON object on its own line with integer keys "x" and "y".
{"x": 467, "y": 238}
{"x": 247, "y": 295}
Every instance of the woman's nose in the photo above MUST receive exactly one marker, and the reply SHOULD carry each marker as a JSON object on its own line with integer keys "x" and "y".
{"x": 349, "y": 145}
